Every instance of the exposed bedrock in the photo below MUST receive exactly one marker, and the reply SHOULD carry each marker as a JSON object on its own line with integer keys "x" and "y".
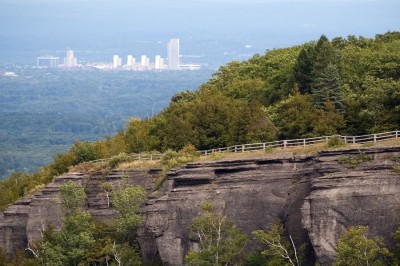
{"x": 368, "y": 194}
{"x": 316, "y": 197}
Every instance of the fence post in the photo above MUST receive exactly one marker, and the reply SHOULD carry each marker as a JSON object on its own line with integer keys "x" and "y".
{"x": 139, "y": 156}
{"x": 354, "y": 140}
{"x": 345, "y": 140}
{"x": 235, "y": 149}
{"x": 205, "y": 153}
{"x": 284, "y": 144}
{"x": 397, "y": 134}
{"x": 374, "y": 138}
{"x": 304, "y": 143}
{"x": 243, "y": 148}
{"x": 151, "y": 157}
{"x": 264, "y": 146}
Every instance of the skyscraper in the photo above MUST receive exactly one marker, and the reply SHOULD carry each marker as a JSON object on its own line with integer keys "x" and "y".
{"x": 70, "y": 60}
{"x": 117, "y": 61}
{"x": 129, "y": 60}
{"x": 159, "y": 62}
{"x": 173, "y": 54}
{"x": 144, "y": 63}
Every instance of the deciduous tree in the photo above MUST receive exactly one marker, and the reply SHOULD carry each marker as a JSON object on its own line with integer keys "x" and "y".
{"x": 220, "y": 242}
{"x": 356, "y": 248}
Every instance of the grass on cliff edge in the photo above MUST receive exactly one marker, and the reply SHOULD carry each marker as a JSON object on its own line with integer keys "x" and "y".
{"x": 172, "y": 159}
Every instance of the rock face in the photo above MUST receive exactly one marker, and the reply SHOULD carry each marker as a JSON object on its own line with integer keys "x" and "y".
{"x": 368, "y": 194}
{"x": 252, "y": 193}
{"x": 23, "y": 222}
{"x": 316, "y": 197}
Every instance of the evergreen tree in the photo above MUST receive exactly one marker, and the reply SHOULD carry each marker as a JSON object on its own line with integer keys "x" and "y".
{"x": 325, "y": 75}
{"x": 327, "y": 87}
{"x": 302, "y": 70}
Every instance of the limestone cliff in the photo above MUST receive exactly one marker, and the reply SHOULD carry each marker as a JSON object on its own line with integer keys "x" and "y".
{"x": 315, "y": 196}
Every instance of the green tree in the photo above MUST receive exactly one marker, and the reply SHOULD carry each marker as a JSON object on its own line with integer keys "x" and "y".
{"x": 220, "y": 242}
{"x": 327, "y": 87}
{"x": 72, "y": 197}
{"x": 380, "y": 101}
{"x": 72, "y": 243}
{"x": 328, "y": 121}
{"x": 396, "y": 251}
{"x": 302, "y": 70}
{"x": 127, "y": 202}
{"x": 137, "y": 136}
{"x": 211, "y": 111}
{"x": 355, "y": 248}
{"x": 84, "y": 151}
{"x": 294, "y": 116}
{"x": 279, "y": 250}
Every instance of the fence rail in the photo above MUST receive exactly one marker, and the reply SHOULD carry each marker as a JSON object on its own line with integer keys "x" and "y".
{"x": 282, "y": 144}
{"x": 135, "y": 157}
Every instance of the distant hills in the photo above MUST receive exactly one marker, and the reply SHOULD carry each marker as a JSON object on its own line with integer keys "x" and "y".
{"x": 44, "y": 111}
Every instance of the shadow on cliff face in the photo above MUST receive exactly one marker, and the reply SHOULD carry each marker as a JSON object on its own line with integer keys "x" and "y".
{"x": 315, "y": 197}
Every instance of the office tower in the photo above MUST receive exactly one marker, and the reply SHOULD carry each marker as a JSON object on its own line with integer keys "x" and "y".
{"x": 70, "y": 60}
{"x": 129, "y": 60}
{"x": 117, "y": 61}
{"x": 158, "y": 63}
{"x": 47, "y": 61}
{"x": 144, "y": 62}
{"x": 173, "y": 54}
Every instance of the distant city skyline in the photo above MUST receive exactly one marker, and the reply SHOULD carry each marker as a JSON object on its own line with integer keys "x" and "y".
{"x": 172, "y": 62}
{"x": 214, "y": 31}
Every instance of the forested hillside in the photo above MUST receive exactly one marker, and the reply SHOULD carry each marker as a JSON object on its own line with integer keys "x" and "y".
{"x": 44, "y": 111}
{"x": 346, "y": 86}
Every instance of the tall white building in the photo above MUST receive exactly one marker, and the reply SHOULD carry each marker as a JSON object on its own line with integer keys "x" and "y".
{"x": 129, "y": 60}
{"x": 117, "y": 61}
{"x": 144, "y": 62}
{"x": 173, "y": 54}
{"x": 70, "y": 60}
{"x": 159, "y": 62}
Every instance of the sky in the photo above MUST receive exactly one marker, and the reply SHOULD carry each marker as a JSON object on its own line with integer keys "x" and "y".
{"x": 32, "y": 27}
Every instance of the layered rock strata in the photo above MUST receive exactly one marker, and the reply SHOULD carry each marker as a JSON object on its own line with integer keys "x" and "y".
{"x": 24, "y": 222}
{"x": 316, "y": 197}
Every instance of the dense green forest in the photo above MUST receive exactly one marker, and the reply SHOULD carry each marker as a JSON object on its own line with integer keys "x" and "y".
{"x": 344, "y": 85}
{"x": 43, "y": 112}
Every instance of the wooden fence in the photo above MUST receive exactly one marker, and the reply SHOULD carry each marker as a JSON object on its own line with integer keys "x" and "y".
{"x": 281, "y": 144}
{"x": 135, "y": 157}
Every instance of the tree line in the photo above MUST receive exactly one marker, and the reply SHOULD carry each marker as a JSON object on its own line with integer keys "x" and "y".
{"x": 349, "y": 86}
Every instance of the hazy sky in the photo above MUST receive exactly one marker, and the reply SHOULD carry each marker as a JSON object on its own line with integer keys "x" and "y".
{"x": 265, "y": 24}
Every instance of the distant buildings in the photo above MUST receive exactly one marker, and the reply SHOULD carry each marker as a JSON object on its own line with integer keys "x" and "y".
{"x": 159, "y": 63}
{"x": 173, "y": 54}
{"x": 144, "y": 62}
{"x": 47, "y": 61}
{"x": 70, "y": 60}
{"x": 117, "y": 61}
